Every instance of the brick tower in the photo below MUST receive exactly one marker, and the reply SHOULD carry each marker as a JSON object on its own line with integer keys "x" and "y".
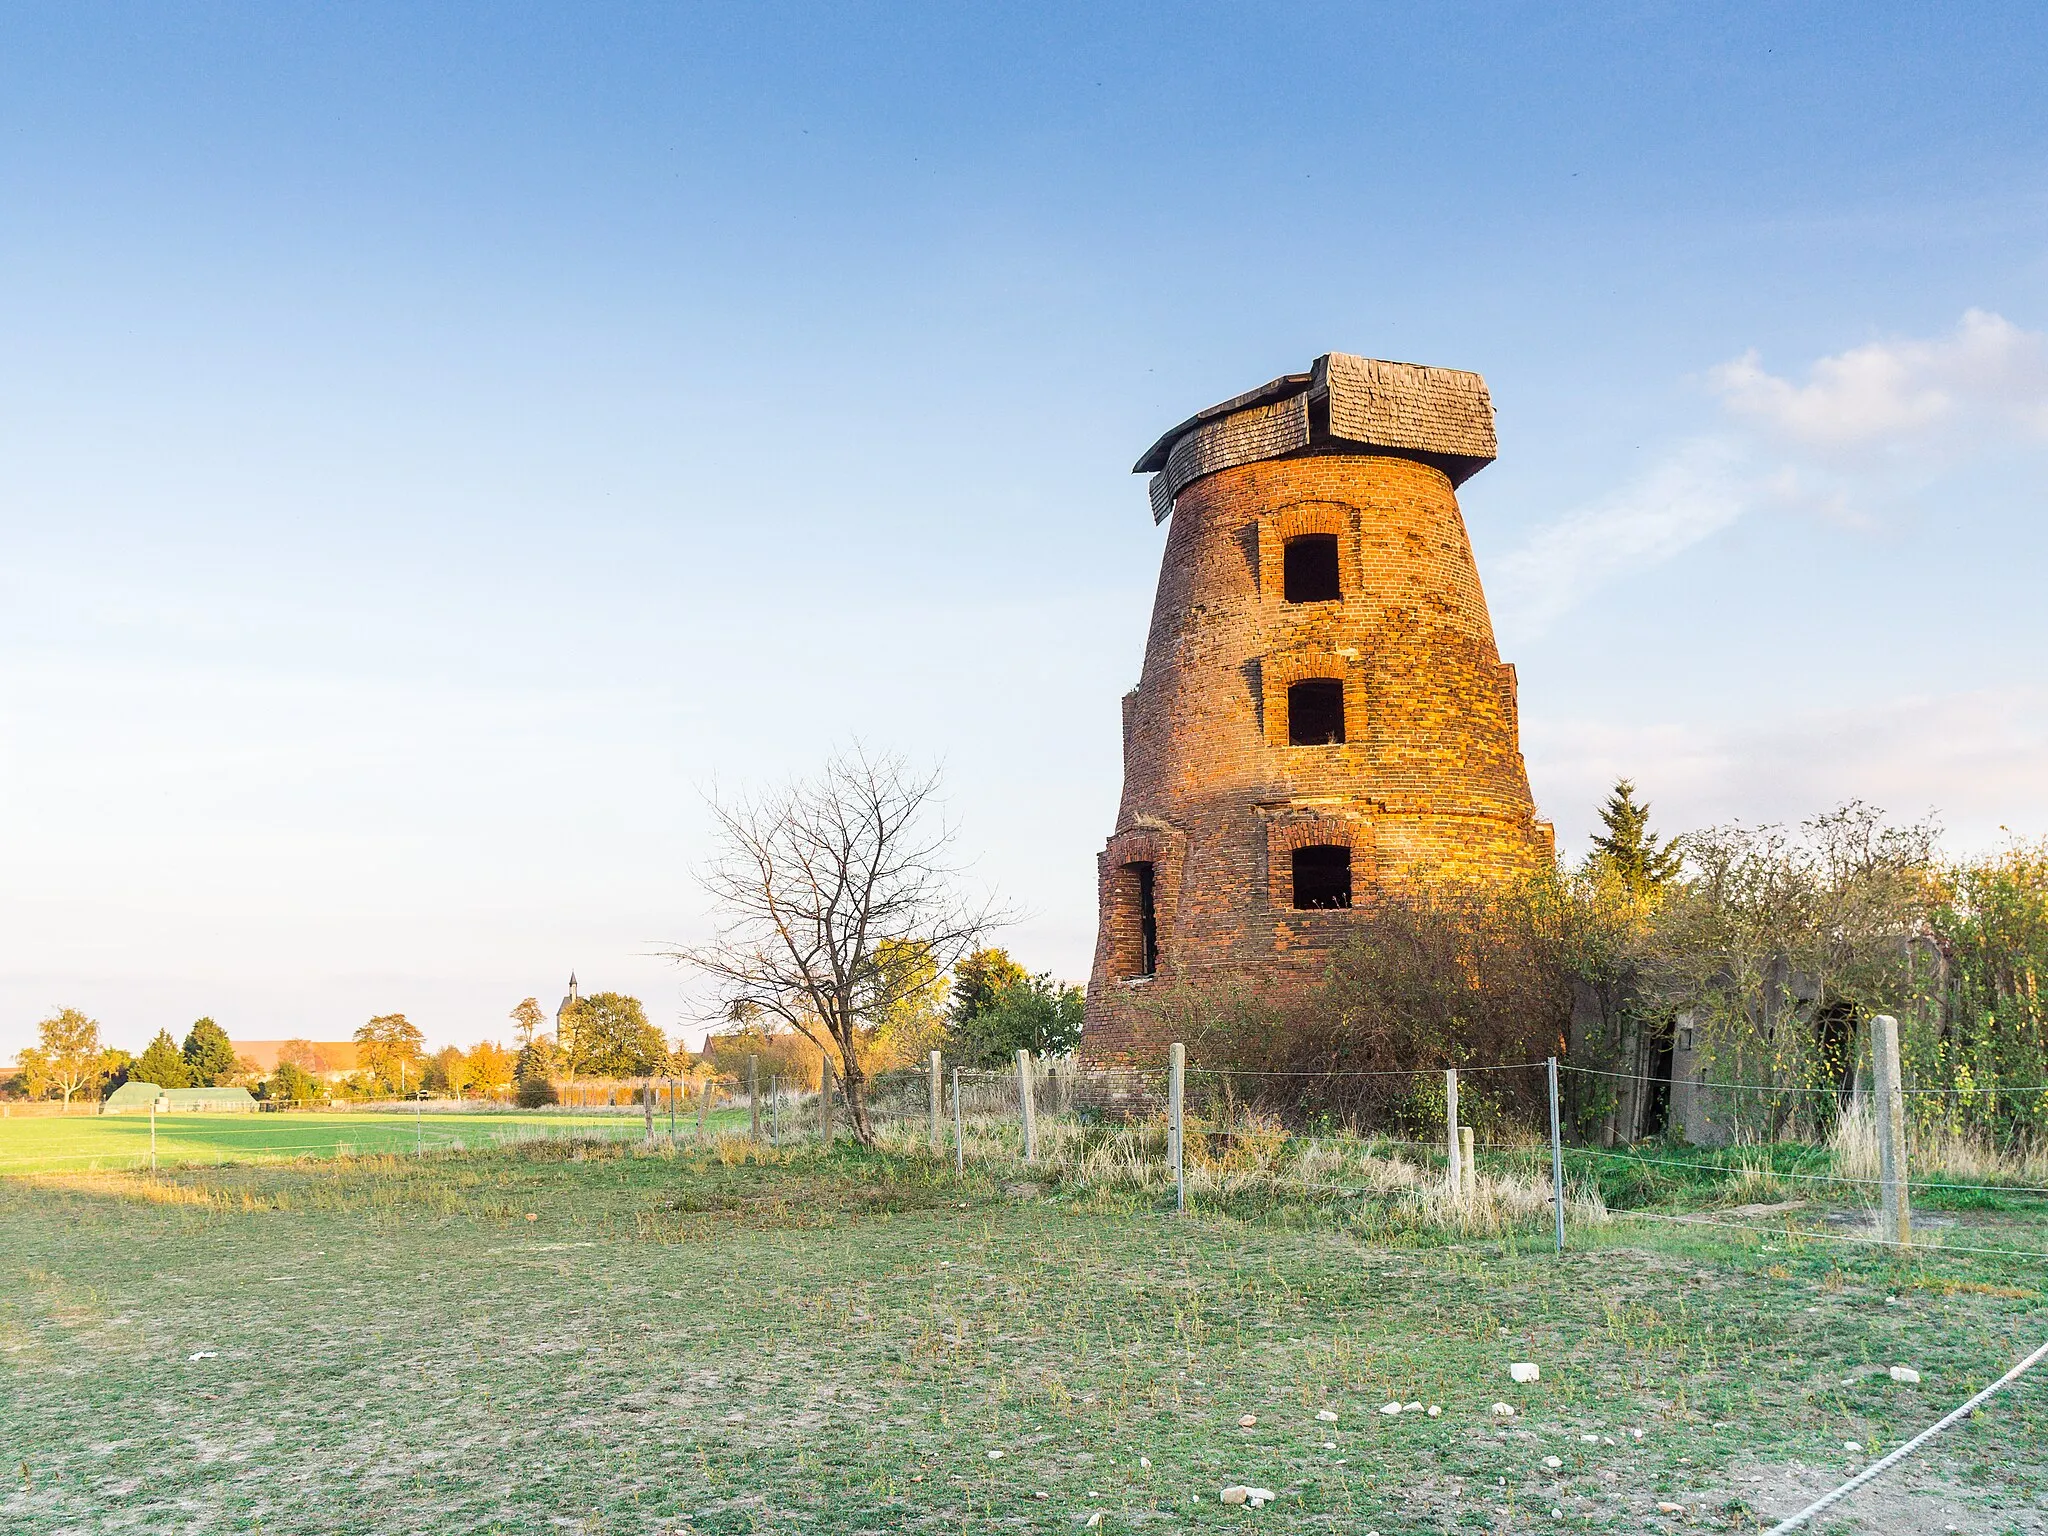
{"x": 1322, "y": 710}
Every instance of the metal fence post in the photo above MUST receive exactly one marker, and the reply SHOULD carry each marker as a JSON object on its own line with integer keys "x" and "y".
{"x": 1556, "y": 1155}
{"x": 959, "y": 1129}
{"x": 1457, "y": 1181}
{"x": 935, "y": 1103}
{"x": 1895, "y": 1223}
{"x": 1176, "y": 1100}
{"x": 1468, "y": 1167}
{"x": 754, "y": 1097}
{"x": 1027, "y": 1106}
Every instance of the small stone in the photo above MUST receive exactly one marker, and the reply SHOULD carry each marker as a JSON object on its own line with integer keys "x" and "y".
{"x": 1525, "y": 1371}
{"x": 1852, "y": 1445}
{"x": 1503, "y": 1411}
{"x": 1668, "y": 1508}
{"x": 1590, "y": 1439}
{"x": 1326, "y": 1416}
{"x": 1329, "y": 1445}
{"x": 1247, "y": 1420}
{"x": 533, "y": 1216}
{"x": 995, "y": 1455}
{"x": 1552, "y": 1462}
{"x": 1145, "y": 1462}
{"x": 1635, "y": 1434}
{"x": 1258, "y": 1496}
{"x": 1411, "y": 1407}
{"x": 1435, "y": 1411}
{"x": 1390, "y": 1408}
{"x": 1093, "y": 1520}
{"x": 204, "y": 1354}
{"x": 1904, "y": 1373}
{"x": 1236, "y": 1493}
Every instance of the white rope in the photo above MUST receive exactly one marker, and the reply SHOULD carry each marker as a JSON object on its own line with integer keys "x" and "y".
{"x": 1878, "y": 1467}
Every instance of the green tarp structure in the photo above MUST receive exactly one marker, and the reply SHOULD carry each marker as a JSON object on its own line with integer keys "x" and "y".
{"x": 136, "y": 1098}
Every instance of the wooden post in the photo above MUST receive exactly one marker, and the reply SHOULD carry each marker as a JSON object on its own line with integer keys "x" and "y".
{"x": 959, "y": 1129}
{"x": 647, "y": 1106}
{"x": 754, "y": 1097}
{"x": 1456, "y": 1180}
{"x": 1895, "y": 1224}
{"x": 1176, "y": 1097}
{"x": 1468, "y": 1170}
{"x": 1027, "y": 1104}
{"x": 935, "y": 1103}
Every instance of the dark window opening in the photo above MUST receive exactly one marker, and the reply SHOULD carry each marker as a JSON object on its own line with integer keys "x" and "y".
{"x": 1322, "y": 877}
{"x": 1657, "y": 1101}
{"x": 1308, "y": 569}
{"x": 1315, "y": 713}
{"x": 1140, "y": 876}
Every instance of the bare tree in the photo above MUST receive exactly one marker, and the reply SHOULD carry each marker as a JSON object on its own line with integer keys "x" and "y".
{"x": 817, "y": 883}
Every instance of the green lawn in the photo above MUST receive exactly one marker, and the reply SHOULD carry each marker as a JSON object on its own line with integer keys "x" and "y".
{"x": 85, "y": 1143}
{"x": 610, "y": 1340}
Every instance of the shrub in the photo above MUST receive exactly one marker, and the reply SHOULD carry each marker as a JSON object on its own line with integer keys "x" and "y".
{"x": 534, "y": 1092}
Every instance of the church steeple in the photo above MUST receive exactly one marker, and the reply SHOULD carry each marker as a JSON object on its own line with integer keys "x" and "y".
{"x": 565, "y": 1017}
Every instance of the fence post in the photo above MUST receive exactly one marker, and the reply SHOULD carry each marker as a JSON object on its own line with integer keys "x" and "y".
{"x": 754, "y": 1097}
{"x": 1468, "y": 1166}
{"x": 1027, "y": 1104}
{"x": 1457, "y": 1180}
{"x": 647, "y": 1106}
{"x": 775, "y": 1109}
{"x": 1895, "y": 1224}
{"x": 1556, "y": 1155}
{"x": 671, "y": 1111}
{"x": 959, "y": 1129}
{"x": 935, "y": 1103}
{"x": 825, "y": 1103}
{"x": 703, "y": 1105}
{"x": 1176, "y": 1102}
{"x": 152, "y": 1141}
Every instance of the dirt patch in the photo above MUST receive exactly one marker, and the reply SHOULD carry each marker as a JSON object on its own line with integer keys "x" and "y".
{"x": 1907, "y": 1501}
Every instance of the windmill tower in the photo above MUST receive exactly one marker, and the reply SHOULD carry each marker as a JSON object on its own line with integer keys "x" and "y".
{"x": 565, "y": 1018}
{"x": 1322, "y": 711}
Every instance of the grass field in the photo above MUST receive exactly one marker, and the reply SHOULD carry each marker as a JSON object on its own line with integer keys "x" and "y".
{"x": 87, "y": 1143}
{"x": 607, "y": 1339}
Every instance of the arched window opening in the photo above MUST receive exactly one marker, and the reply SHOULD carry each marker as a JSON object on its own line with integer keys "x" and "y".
{"x": 1308, "y": 569}
{"x": 1315, "y": 712}
{"x": 1322, "y": 877}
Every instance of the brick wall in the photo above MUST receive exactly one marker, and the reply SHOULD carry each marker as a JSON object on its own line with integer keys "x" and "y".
{"x": 1429, "y": 777}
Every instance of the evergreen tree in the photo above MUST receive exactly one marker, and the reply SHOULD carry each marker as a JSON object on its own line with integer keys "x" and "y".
{"x": 209, "y": 1057}
{"x": 163, "y": 1064}
{"x": 1630, "y": 848}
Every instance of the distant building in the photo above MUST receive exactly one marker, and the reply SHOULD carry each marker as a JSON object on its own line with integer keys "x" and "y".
{"x": 565, "y": 1018}
{"x": 331, "y": 1060}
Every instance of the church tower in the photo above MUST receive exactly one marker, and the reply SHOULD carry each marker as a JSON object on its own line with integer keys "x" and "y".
{"x": 1322, "y": 711}
{"x": 565, "y": 1018}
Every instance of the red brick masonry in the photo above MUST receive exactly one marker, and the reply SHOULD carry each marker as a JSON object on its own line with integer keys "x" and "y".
{"x": 1429, "y": 775}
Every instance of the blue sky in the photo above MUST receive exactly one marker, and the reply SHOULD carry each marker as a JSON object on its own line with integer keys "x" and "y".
{"x": 437, "y": 443}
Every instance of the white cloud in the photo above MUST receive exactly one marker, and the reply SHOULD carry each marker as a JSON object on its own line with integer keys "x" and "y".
{"x": 1989, "y": 375}
{"x": 1695, "y": 493}
{"x": 1977, "y": 759}
{"x": 1867, "y": 425}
